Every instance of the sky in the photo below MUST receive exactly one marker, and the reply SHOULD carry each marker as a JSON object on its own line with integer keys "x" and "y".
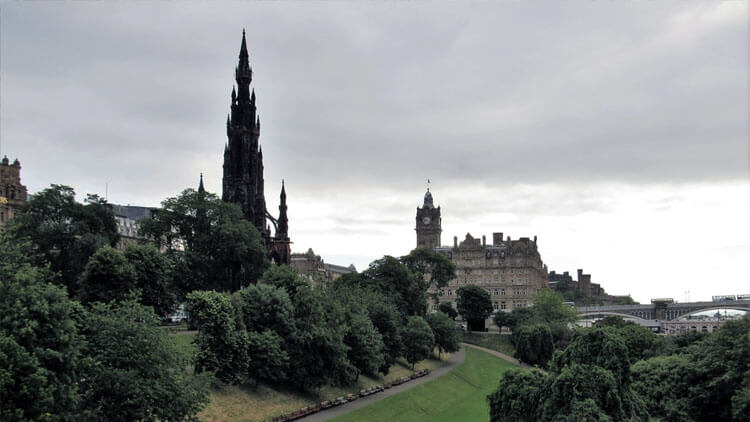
{"x": 616, "y": 132}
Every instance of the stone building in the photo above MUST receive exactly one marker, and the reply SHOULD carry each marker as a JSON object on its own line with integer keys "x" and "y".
{"x": 318, "y": 271}
{"x": 127, "y": 217}
{"x": 511, "y": 271}
{"x": 12, "y": 193}
{"x": 243, "y": 182}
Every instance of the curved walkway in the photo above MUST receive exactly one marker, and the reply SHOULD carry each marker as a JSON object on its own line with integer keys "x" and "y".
{"x": 503, "y": 356}
{"x": 333, "y": 412}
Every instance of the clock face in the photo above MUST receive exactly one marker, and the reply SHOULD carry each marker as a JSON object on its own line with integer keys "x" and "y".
{"x": 426, "y": 220}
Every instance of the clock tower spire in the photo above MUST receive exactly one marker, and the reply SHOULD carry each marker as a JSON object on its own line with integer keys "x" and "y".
{"x": 428, "y": 223}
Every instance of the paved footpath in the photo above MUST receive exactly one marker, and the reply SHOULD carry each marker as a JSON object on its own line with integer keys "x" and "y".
{"x": 333, "y": 412}
{"x": 454, "y": 361}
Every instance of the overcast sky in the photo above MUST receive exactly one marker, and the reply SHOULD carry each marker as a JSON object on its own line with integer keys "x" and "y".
{"x": 616, "y": 132}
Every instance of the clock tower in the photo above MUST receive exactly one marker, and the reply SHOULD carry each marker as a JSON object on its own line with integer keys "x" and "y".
{"x": 428, "y": 223}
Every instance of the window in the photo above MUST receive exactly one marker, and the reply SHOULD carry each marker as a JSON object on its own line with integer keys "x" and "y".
{"x": 502, "y": 293}
{"x": 495, "y": 292}
{"x": 450, "y": 293}
{"x": 495, "y": 306}
{"x": 502, "y": 305}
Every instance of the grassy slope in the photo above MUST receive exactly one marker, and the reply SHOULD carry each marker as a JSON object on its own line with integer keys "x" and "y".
{"x": 500, "y": 343}
{"x": 260, "y": 403}
{"x": 459, "y": 395}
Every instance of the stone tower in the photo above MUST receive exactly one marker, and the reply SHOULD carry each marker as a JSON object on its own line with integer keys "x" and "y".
{"x": 243, "y": 165}
{"x": 428, "y": 223}
{"x": 12, "y": 193}
{"x": 243, "y": 157}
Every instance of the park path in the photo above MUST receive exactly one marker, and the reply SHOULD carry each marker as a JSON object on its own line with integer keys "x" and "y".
{"x": 455, "y": 359}
{"x": 333, "y": 412}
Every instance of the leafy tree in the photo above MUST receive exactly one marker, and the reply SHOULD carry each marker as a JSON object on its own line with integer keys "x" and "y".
{"x": 399, "y": 285}
{"x": 534, "y": 344}
{"x": 519, "y": 397}
{"x": 108, "y": 276}
{"x": 222, "y": 347}
{"x": 365, "y": 344}
{"x": 664, "y": 384}
{"x": 425, "y": 261}
{"x": 153, "y": 277}
{"x": 265, "y": 307}
{"x": 418, "y": 340}
{"x": 40, "y": 349}
{"x": 444, "y": 330}
{"x": 136, "y": 372}
{"x": 474, "y": 305}
{"x": 447, "y": 308}
{"x": 514, "y": 319}
{"x": 285, "y": 277}
{"x": 268, "y": 359}
{"x": 578, "y": 383}
{"x": 385, "y": 318}
{"x": 66, "y": 232}
{"x": 549, "y": 308}
{"x": 318, "y": 350}
{"x": 222, "y": 250}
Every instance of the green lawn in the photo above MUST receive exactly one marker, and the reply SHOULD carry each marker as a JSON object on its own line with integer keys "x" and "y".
{"x": 497, "y": 342}
{"x": 459, "y": 395}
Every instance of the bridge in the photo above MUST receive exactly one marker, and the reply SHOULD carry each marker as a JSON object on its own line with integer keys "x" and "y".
{"x": 661, "y": 311}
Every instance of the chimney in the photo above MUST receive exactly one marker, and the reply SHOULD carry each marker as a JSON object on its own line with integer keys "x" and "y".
{"x": 455, "y": 241}
{"x": 497, "y": 238}
{"x": 484, "y": 240}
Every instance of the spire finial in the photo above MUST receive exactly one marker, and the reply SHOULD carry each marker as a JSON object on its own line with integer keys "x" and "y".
{"x": 428, "y": 185}
{"x": 243, "y": 47}
{"x": 201, "y": 189}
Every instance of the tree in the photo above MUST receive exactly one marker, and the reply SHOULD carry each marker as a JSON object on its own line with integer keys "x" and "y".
{"x": 398, "y": 284}
{"x": 549, "y": 308}
{"x": 222, "y": 347}
{"x": 514, "y": 319}
{"x": 445, "y": 333}
{"x": 285, "y": 277}
{"x": 425, "y": 261}
{"x": 519, "y": 397}
{"x": 40, "y": 348}
{"x": 136, "y": 371}
{"x": 365, "y": 344}
{"x": 153, "y": 277}
{"x": 576, "y": 384}
{"x": 534, "y": 344}
{"x": 222, "y": 250}
{"x": 263, "y": 307}
{"x": 418, "y": 340}
{"x": 474, "y": 305}
{"x": 66, "y": 232}
{"x": 318, "y": 350}
{"x": 664, "y": 384}
{"x": 268, "y": 359}
{"x": 447, "y": 308}
{"x": 108, "y": 276}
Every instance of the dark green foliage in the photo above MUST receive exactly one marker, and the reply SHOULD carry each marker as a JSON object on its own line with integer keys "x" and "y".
{"x": 135, "y": 372}
{"x": 153, "y": 277}
{"x": 222, "y": 347}
{"x": 534, "y": 344}
{"x": 641, "y": 342}
{"x": 385, "y": 318}
{"x": 600, "y": 347}
{"x": 284, "y": 277}
{"x": 397, "y": 283}
{"x": 514, "y": 319}
{"x": 365, "y": 344}
{"x": 66, "y": 232}
{"x": 425, "y": 261}
{"x": 39, "y": 344}
{"x": 474, "y": 305}
{"x": 265, "y": 307}
{"x": 222, "y": 250}
{"x": 446, "y": 335}
{"x": 518, "y": 397}
{"x": 418, "y": 340}
{"x": 447, "y": 308}
{"x": 585, "y": 411}
{"x": 549, "y": 308}
{"x": 268, "y": 359}
{"x": 578, "y": 382}
{"x": 664, "y": 384}
{"x": 318, "y": 352}
{"x": 108, "y": 276}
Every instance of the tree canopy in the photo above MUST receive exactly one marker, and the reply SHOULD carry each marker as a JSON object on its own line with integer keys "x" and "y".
{"x": 474, "y": 305}
{"x": 222, "y": 251}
